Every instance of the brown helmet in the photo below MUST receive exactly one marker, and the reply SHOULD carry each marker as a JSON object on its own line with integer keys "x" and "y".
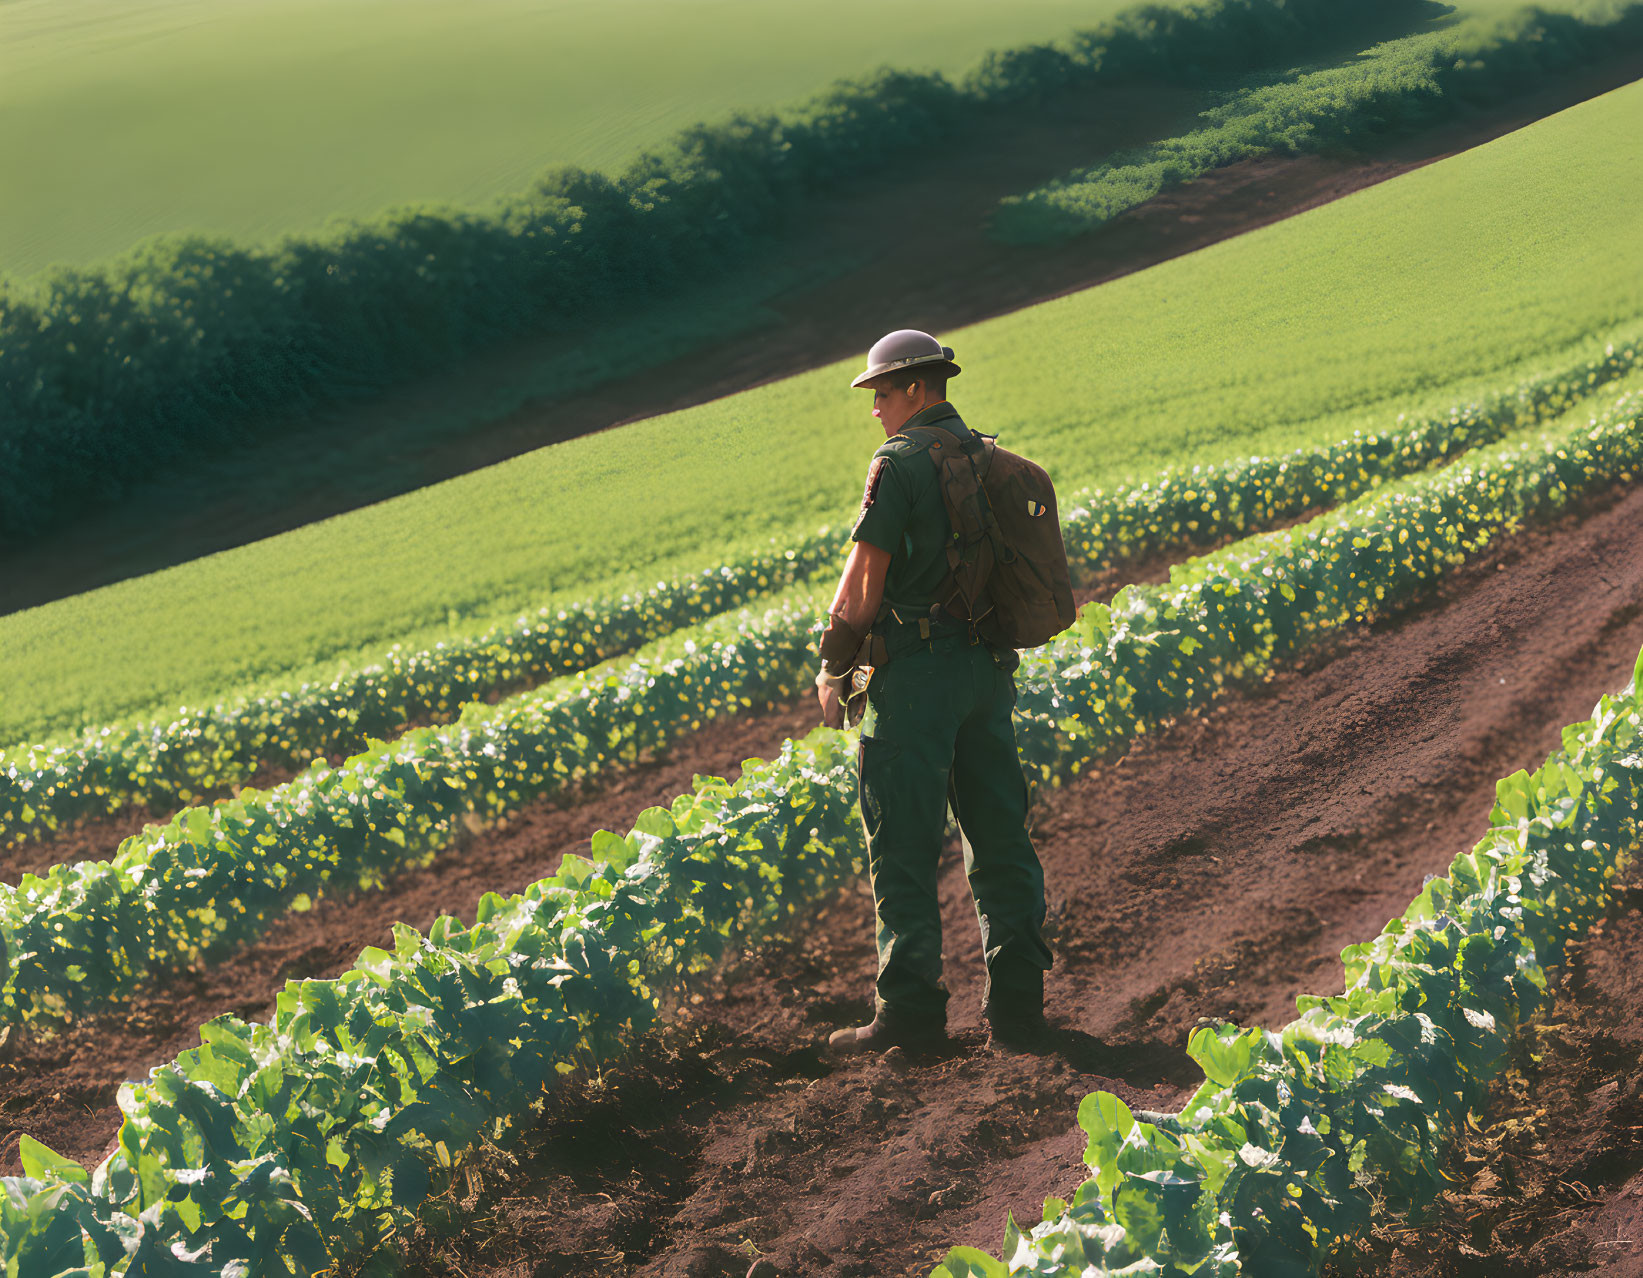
{"x": 906, "y": 348}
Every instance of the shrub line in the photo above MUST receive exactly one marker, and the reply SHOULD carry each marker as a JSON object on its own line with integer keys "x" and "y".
{"x": 110, "y": 371}
{"x": 1398, "y": 87}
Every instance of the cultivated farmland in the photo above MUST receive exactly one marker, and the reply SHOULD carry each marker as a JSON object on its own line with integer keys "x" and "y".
{"x": 1090, "y": 693}
{"x": 463, "y": 886}
{"x": 1293, "y": 334}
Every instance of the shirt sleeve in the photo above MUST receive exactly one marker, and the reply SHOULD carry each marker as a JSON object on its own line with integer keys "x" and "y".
{"x": 886, "y": 506}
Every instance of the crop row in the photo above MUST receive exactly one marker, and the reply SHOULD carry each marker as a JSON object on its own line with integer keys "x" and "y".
{"x": 294, "y": 1144}
{"x": 213, "y": 879}
{"x": 1279, "y": 1154}
{"x": 182, "y": 759}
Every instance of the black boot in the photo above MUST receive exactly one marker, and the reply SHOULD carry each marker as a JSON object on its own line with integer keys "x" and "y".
{"x": 886, "y": 1032}
{"x": 1019, "y": 1033}
{"x": 1015, "y": 1018}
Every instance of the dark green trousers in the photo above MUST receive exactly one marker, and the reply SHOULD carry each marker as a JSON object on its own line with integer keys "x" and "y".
{"x": 938, "y": 732}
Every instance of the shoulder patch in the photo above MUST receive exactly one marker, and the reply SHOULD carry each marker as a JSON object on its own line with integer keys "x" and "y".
{"x": 875, "y": 472}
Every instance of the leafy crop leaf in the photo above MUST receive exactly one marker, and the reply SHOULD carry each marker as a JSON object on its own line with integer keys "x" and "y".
{"x": 44, "y": 1164}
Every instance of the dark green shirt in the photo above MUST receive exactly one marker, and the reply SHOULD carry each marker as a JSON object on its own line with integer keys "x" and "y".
{"x": 902, "y": 511}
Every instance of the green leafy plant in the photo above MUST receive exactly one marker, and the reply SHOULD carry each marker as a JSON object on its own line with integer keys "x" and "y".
{"x": 182, "y": 759}
{"x": 212, "y": 879}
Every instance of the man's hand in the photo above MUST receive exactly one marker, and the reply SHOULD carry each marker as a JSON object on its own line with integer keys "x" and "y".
{"x": 832, "y": 705}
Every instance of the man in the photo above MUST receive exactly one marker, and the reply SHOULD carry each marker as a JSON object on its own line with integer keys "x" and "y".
{"x": 937, "y": 729}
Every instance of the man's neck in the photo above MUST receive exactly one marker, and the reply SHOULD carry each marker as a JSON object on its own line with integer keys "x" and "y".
{"x": 925, "y": 413}
{"x": 925, "y": 408}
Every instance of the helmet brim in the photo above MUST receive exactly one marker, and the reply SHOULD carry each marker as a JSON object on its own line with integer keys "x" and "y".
{"x": 917, "y": 361}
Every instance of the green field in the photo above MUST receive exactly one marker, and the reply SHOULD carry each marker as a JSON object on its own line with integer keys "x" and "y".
{"x": 1396, "y": 86}
{"x": 1276, "y": 338}
{"x": 320, "y": 109}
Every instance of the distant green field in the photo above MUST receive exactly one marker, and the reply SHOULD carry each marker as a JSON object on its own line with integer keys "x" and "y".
{"x": 1392, "y": 87}
{"x": 121, "y": 118}
{"x": 1279, "y": 337}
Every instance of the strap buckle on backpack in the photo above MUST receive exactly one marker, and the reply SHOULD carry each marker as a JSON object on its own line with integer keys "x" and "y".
{"x": 942, "y": 615}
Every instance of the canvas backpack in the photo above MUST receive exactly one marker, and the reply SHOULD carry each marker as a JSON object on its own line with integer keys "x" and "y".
{"x": 1006, "y": 565}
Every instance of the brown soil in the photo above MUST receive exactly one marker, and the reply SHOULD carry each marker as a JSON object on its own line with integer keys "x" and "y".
{"x": 1217, "y": 870}
{"x": 490, "y": 408}
{"x": 1551, "y": 1183}
{"x": 94, "y": 839}
{"x": 98, "y": 838}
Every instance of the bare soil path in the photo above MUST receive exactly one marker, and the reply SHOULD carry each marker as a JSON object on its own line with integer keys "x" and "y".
{"x": 286, "y": 474}
{"x": 1217, "y": 870}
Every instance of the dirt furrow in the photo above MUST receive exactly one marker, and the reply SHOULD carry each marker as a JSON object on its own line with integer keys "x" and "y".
{"x": 1216, "y": 871}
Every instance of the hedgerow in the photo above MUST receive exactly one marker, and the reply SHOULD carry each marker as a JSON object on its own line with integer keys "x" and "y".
{"x": 184, "y": 758}
{"x": 291, "y": 1145}
{"x": 1394, "y": 88}
{"x": 111, "y": 371}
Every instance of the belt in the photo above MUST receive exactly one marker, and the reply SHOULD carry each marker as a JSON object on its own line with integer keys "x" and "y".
{"x": 931, "y": 621}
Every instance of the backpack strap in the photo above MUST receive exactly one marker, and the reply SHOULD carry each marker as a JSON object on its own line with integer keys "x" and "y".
{"x": 935, "y": 438}
{"x": 908, "y": 443}
{"x": 945, "y": 449}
